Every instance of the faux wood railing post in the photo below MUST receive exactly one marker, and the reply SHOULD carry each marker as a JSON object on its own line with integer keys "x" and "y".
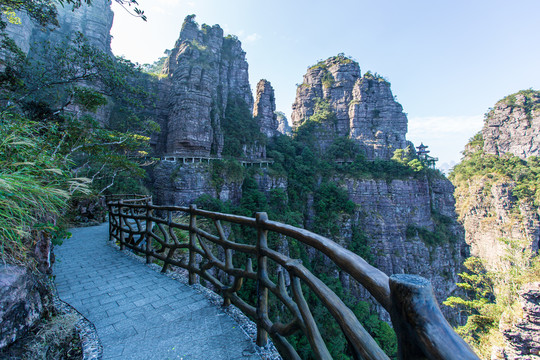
{"x": 262, "y": 273}
{"x": 148, "y": 230}
{"x": 192, "y": 241}
{"x": 421, "y": 329}
{"x": 109, "y": 208}
{"x": 121, "y": 234}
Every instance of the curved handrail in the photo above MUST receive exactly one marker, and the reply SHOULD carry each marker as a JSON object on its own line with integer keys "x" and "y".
{"x": 156, "y": 231}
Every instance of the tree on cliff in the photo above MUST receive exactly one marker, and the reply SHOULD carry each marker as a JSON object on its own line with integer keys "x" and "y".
{"x": 45, "y": 12}
{"x": 496, "y": 158}
{"x": 52, "y": 145}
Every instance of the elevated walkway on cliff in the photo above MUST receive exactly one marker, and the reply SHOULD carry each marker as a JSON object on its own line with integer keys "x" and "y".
{"x": 139, "y": 313}
{"x": 194, "y": 159}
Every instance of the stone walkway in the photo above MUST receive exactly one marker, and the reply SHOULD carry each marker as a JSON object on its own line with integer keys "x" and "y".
{"x": 139, "y": 313}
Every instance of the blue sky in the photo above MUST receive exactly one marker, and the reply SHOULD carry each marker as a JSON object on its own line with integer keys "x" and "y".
{"x": 448, "y": 61}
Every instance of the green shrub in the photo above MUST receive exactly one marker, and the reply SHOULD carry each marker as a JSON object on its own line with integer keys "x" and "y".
{"x": 491, "y": 296}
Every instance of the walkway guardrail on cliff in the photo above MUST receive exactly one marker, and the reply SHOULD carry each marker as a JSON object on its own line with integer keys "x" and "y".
{"x": 196, "y": 240}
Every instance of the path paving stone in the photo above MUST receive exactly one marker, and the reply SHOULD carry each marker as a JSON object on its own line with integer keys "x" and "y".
{"x": 139, "y": 313}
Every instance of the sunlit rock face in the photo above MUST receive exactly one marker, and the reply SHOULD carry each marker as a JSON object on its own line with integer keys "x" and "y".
{"x": 365, "y": 108}
{"x": 487, "y": 205}
{"x": 265, "y": 109}
{"x": 205, "y": 70}
{"x": 513, "y": 126}
{"x": 521, "y": 339}
{"x": 283, "y": 124}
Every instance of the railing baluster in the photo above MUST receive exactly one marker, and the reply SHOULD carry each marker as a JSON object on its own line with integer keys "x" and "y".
{"x": 192, "y": 241}
{"x": 262, "y": 273}
{"x": 109, "y": 208}
{"x": 148, "y": 230}
{"x": 122, "y": 247}
{"x": 170, "y": 248}
{"x": 313, "y": 334}
{"x": 422, "y": 331}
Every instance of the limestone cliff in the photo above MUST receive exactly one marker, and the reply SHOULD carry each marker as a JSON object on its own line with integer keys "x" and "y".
{"x": 513, "y": 126}
{"x": 522, "y": 339}
{"x": 283, "y": 124}
{"x": 496, "y": 199}
{"x": 487, "y": 199}
{"x": 265, "y": 109}
{"x": 205, "y": 71}
{"x": 22, "y": 33}
{"x": 365, "y": 108}
{"x": 183, "y": 184}
{"x": 94, "y": 22}
{"x": 390, "y": 212}
{"x": 490, "y": 212}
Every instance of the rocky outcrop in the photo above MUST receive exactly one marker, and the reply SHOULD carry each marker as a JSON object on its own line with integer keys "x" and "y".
{"x": 490, "y": 212}
{"x": 364, "y": 107}
{"x": 500, "y": 221}
{"x": 390, "y": 214}
{"x": 94, "y": 22}
{"x": 283, "y": 124}
{"x": 486, "y": 204}
{"x": 183, "y": 184}
{"x": 21, "y": 302}
{"x": 205, "y": 70}
{"x": 377, "y": 121}
{"x": 22, "y": 33}
{"x": 522, "y": 339}
{"x": 513, "y": 126}
{"x": 264, "y": 110}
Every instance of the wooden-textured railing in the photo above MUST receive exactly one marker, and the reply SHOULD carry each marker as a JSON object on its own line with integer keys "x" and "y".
{"x": 196, "y": 240}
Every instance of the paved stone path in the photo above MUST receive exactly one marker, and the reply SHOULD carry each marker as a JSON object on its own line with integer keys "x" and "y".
{"x": 139, "y": 313}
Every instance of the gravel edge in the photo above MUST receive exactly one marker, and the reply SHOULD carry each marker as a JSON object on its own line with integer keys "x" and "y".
{"x": 90, "y": 342}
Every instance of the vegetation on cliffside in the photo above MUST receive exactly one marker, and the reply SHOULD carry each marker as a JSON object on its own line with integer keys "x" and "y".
{"x": 510, "y": 168}
{"x": 314, "y": 199}
{"x": 490, "y": 298}
{"x": 490, "y": 290}
{"x": 239, "y": 128}
{"x": 53, "y": 143}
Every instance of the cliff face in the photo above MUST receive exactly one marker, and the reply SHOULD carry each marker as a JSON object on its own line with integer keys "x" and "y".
{"x": 490, "y": 212}
{"x": 183, "y": 184}
{"x": 283, "y": 125}
{"x": 387, "y": 211}
{"x": 522, "y": 340}
{"x": 365, "y": 108}
{"x": 265, "y": 109}
{"x": 94, "y": 22}
{"x": 205, "y": 71}
{"x": 496, "y": 201}
{"x": 410, "y": 224}
{"x": 513, "y": 126}
{"x": 486, "y": 201}
{"x": 22, "y": 33}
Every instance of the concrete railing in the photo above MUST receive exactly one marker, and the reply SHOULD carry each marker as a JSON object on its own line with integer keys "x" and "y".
{"x": 196, "y": 240}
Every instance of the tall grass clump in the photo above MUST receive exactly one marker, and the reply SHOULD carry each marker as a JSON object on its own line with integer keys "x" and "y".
{"x": 34, "y": 186}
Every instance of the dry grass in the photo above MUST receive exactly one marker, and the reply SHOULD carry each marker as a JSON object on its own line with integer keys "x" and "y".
{"x": 53, "y": 339}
